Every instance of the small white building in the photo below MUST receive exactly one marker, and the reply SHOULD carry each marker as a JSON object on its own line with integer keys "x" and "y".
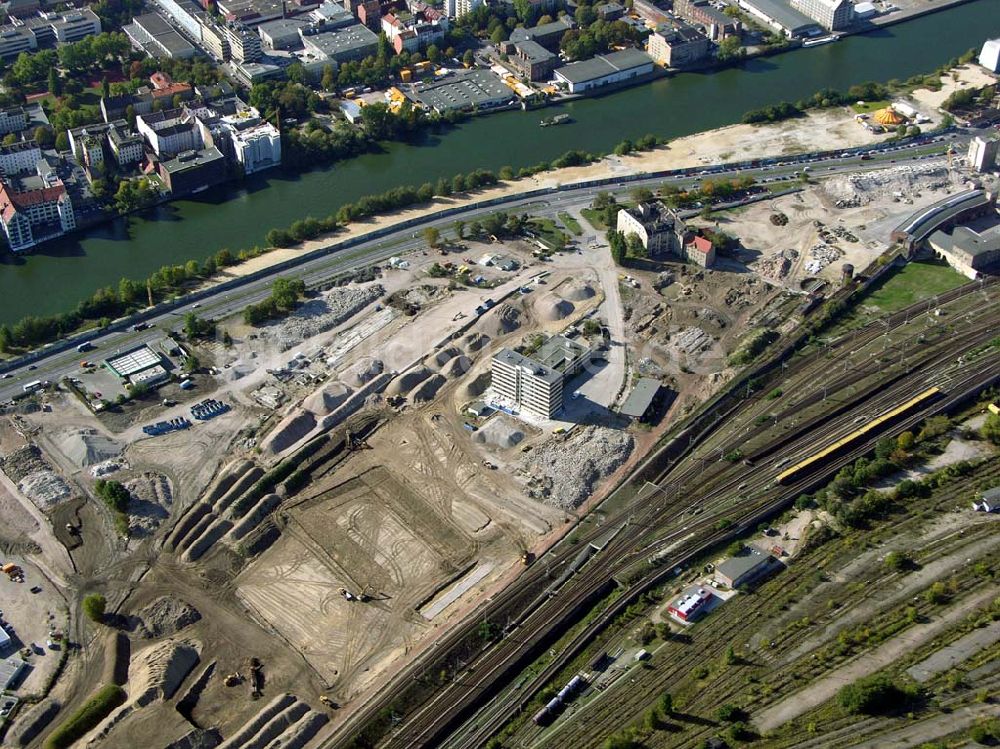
{"x": 989, "y": 57}
{"x": 258, "y": 148}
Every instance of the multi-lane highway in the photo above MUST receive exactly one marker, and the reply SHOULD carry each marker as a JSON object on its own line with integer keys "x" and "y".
{"x": 337, "y": 260}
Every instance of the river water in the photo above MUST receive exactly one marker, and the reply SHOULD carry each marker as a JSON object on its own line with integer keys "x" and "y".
{"x": 57, "y": 275}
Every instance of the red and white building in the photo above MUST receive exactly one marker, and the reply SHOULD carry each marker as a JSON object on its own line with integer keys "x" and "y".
{"x": 691, "y": 605}
{"x": 34, "y": 215}
{"x": 415, "y": 29}
{"x": 700, "y": 252}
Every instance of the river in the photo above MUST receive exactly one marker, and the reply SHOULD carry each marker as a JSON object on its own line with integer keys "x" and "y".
{"x": 57, "y": 275}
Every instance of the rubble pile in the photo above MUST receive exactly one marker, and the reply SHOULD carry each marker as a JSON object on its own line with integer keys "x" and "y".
{"x": 34, "y": 477}
{"x": 901, "y": 182}
{"x": 320, "y": 314}
{"x": 777, "y": 267}
{"x": 565, "y": 473}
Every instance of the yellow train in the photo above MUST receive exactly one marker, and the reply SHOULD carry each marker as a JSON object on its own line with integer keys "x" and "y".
{"x": 871, "y": 426}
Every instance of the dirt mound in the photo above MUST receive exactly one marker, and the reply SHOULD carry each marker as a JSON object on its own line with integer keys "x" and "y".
{"x": 552, "y": 307}
{"x": 577, "y": 290}
{"x": 87, "y": 447}
{"x": 363, "y": 371}
{"x": 474, "y": 342}
{"x": 165, "y": 616}
{"x": 509, "y": 319}
{"x": 291, "y": 431}
{"x": 501, "y": 431}
{"x": 159, "y": 671}
{"x": 457, "y": 366}
{"x": 445, "y": 355}
{"x": 429, "y": 388}
{"x": 403, "y": 384}
{"x": 328, "y": 399}
{"x": 477, "y": 385}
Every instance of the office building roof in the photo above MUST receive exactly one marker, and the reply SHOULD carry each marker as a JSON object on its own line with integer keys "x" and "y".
{"x": 533, "y": 51}
{"x": 641, "y": 397}
{"x": 468, "y": 88}
{"x": 968, "y": 241}
{"x": 135, "y": 360}
{"x": 559, "y": 352}
{"x": 561, "y": 25}
{"x": 749, "y": 560}
{"x": 342, "y": 41}
{"x": 512, "y": 358}
{"x": 604, "y": 65}
{"x": 192, "y": 160}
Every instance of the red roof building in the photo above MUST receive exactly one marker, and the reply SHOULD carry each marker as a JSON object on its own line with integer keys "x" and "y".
{"x": 33, "y": 215}
{"x": 700, "y": 251}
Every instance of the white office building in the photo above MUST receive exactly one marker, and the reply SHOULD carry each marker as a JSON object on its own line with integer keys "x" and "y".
{"x": 459, "y": 8}
{"x": 257, "y": 148}
{"x": 983, "y": 153}
{"x": 529, "y": 384}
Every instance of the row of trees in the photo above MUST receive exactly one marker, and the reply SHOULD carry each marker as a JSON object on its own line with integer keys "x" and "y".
{"x": 285, "y": 293}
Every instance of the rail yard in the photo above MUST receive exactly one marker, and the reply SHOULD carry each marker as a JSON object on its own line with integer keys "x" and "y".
{"x": 334, "y": 528}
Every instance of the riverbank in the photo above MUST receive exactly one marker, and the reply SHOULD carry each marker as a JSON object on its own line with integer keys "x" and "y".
{"x": 60, "y": 274}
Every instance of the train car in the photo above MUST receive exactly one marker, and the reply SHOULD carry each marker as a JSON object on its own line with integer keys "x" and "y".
{"x": 543, "y": 717}
{"x": 787, "y": 476}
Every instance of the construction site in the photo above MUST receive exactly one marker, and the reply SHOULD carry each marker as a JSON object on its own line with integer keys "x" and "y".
{"x": 278, "y": 531}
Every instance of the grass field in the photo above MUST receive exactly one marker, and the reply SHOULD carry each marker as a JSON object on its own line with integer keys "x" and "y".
{"x": 571, "y": 223}
{"x": 594, "y": 218}
{"x": 869, "y": 106}
{"x": 550, "y": 234}
{"x": 913, "y": 282}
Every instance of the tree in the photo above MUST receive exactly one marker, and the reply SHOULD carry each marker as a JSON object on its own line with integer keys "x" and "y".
{"x": 731, "y": 47}
{"x": 666, "y": 703}
{"x": 876, "y": 694}
{"x": 9, "y": 139}
{"x": 899, "y": 561}
{"x": 991, "y": 428}
{"x": 905, "y": 441}
{"x": 642, "y": 194}
{"x": 6, "y": 338}
{"x": 433, "y": 53}
{"x": 94, "y": 606}
{"x": 469, "y": 58}
{"x": 55, "y": 83}
{"x": 105, "y": 88}
{"x": 285, "y": 292}
{"x": 329, "y": 79}
{"x": 432, "y": 236}
{"x": 459, "y": 227}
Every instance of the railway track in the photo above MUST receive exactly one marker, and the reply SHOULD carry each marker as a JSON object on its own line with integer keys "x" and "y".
{"x": 524, "y": 607}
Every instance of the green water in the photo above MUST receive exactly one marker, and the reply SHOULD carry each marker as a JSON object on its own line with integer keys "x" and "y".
{"x": 56, "y": 276}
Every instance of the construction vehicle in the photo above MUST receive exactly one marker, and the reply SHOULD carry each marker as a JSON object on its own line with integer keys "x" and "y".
{"x": 328, "y": 702}
{"x": 348, "y": 595}
{"x": 527, "y": 558}
{"x": 256, "y": 669}
{"x": 233, "y": 679}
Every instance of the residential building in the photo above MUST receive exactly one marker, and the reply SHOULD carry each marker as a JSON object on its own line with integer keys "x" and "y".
{"x": 163, "y": 89}
{"x": 700, "y": 251}
{"x": 127, "y": 147}
{"x": 353, "y": 42}
{"x": 549, "y": 35}
{"x": 193, "y": 171}
{"x": 649, "y": 13}
{"x": 746, "y": 568}
{"x": 983, "y": 153}
{"x": 13, "y": 120}
{"x": 610, "y": 11}
{"x": 244, "y": 44}
{"x": 459, "y": 8}
{"x": 661, "y": 231}
{"x": 716, "y": 23}
{"x": 414, "y": 32}
{"x": 616, "y": 68}
{"x": 34, "y": 209}
{"x": 691, "y": 605}
{"x": 186, "y": 15}
{"x": 18, "y": 158}
{"x": 832, "y": 15}
{"x": 531, "y": 60}
{"x": 677, "y": 47}
{"x": 782, "y": 17}
{"x": 966, "y": 250}
{"x": 526, "y": 383}
{"x": 79, "y": 137}
{"x": 989, "y": 56}
{"x": 332, "y": 15}
{"x": 214, "y": 40}
{"x": 257, "y": 148}
{"x": 169, "y": 132}
{"x": 152, "y": 33}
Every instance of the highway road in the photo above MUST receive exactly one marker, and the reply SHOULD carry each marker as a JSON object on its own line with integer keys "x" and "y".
{"x": 315, "y": 271}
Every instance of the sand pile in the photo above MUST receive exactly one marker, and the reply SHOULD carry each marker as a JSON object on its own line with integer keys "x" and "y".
{"x": 552, "y": 307}
{"x": 88, "y": 447}
{"x": 429, "y": 388}
{"x": 408, "y": 380}
{"x": 290, "y": 431}
{"x": 501, "y": 431}
{"x": 165, "y": 616}
{"x": 158, "y": 671}
{"x": 577, "y": 290}
{"x": 363, "y": 371}
{"x": 457, "y": 366}
{"x": 328, "y": 399}
{"x": 477, "y": 385}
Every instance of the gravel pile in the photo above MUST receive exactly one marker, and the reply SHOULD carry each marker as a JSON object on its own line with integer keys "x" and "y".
{"x": 320, "y": 314}
{"x": 87, "y": 447}
{"x": 45, "y": 488}
{"x": 565, "y": 473}
{"x": 501, "y": 431}
{"x": 152, "y": 497}
{"x": 885, "y": 184}
{"x": 165, "y": 616}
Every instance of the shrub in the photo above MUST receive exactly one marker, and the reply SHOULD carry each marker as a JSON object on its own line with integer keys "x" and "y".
{"x": 94, "y": 606}
{"x": 876, "y": 694}
{"x": 87, "y": 717}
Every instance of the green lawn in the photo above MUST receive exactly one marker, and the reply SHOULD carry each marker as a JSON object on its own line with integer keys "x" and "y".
{"x": 869, "y": 106}
{"x": 594, "y": 218}
{"x": 550, "y": 234}
{"x": 571, "y": 223}
{"x": 913, "y": 282}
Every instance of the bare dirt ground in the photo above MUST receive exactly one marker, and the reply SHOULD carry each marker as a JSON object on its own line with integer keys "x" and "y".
{"x": 968, "y": 76}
